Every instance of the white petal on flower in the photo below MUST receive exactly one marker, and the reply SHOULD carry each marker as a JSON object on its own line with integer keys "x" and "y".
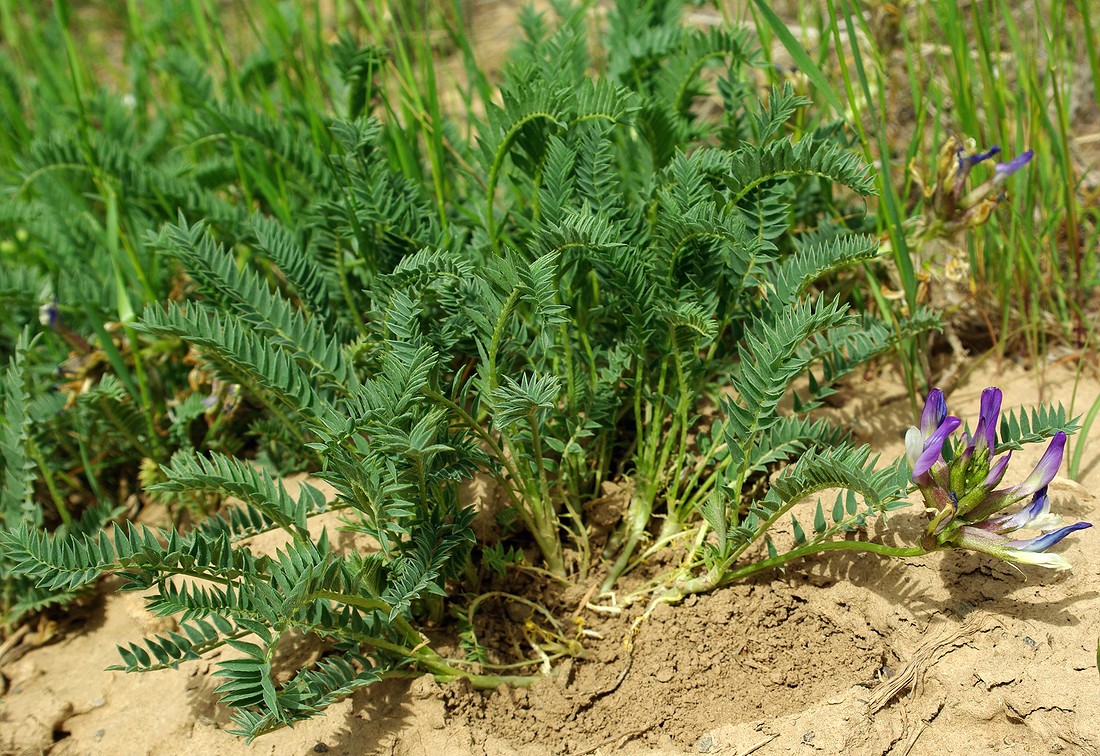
{"x": 1045, "y": 522}
{"x": 914, "y": 446}
{"x": 1040, "y": 559}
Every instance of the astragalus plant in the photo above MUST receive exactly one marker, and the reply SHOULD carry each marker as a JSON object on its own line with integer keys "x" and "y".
{"x": 619, "y": 277}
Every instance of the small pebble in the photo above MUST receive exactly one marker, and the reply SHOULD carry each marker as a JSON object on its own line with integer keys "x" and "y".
{"x": 665, "y": 674}
{"x": 320, "y": 748}
{"x": 517, "y": 612}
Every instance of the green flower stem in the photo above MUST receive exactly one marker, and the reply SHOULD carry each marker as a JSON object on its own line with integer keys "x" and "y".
{"x": 427, "y": 659}
{"x": 662, "y": 542}
{"x": 700, "y": 491}
{"x": 343, "y": 266}
{"x": 566, "y": 364}
{"x": 498, "y": 163}
{"x": 142, "y": 376}
{"x": 444, "y": 672}
{"x": 370, "y": 605}
{"x": 639, "y": 516}
{"x": 719, "y": 577}
{"x": 91, "y": 474}
{"x": 273, "y": 407}
{"x": 421, "y": 479}
{"x": 536, "y": 448}
{"x": 538, "y": 516}
{"x": 641, "y": 503}
{"x": 124, "y": 430}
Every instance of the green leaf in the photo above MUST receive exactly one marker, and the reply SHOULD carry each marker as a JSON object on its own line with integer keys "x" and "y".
{"x": 796, "y": 529}
{"x": 838, "y": 508}
{"x": 819, "y": 519}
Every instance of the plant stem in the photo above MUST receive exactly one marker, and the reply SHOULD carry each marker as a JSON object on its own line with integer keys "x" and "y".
{"x": 545, "y": 514}
{"x": 717, "y": 578}
{"x": 498, "y": 335}
{"x": 424, "y": 656}
{"x": 650, "y": 425}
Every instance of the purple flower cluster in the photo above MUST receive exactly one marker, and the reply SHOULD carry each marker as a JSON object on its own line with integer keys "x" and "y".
{"x": 962, "y": 498}
{"x": 953, "y": 207}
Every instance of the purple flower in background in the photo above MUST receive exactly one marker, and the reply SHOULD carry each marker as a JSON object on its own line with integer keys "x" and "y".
{"x": 1002, "y": 171}
{"x": 953, "y": 204}
{"x": 979, "y": 202}
{"x": 48, "y": 314}
{"x": 968, "y": 161}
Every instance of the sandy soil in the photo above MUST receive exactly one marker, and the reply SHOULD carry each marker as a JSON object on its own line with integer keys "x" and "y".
{"x": 954, "y": 653}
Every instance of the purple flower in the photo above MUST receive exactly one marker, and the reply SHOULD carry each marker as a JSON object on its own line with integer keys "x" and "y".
{"x": 965, "y": 510}
{"x": 991, "y": 502}
{"x": 968, "y": 161}
{"x": 1001, "y": 171}
{"x": 1047, "y": 468}
{"x": 1045, "y": 541}
{"x": 996, "y": 472}
{"x": 935, "y": 411}
{"x": 933, "y": 446}
{"x": 958, "y": 208}
{"x": 991, "y": 535}
{"x": 48, "y": 314}
{"x": 984, "y": 440}
{"x": 985, "y": 435}
{"x": 1035, "y": 515}
{"x": 1031, "y": 551}
{"x": 924, "y": 445}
